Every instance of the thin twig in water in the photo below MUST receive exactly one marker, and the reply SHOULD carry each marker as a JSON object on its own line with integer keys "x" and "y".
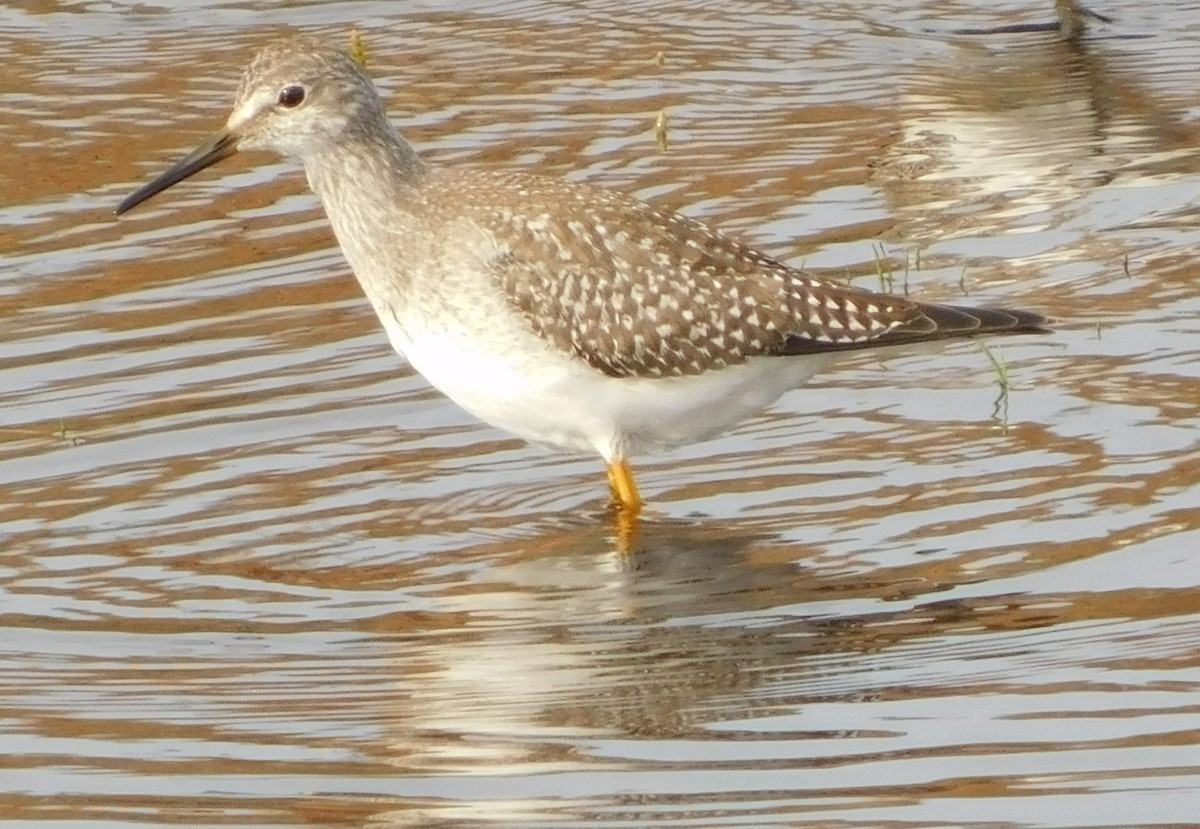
{"x": 1000, "y": 407}
{"x": 883, "y": 269}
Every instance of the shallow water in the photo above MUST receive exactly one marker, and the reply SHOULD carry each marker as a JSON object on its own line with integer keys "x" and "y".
{"x": 255, "y": 572}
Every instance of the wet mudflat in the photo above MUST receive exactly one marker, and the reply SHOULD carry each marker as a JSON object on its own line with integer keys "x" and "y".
{"x": 254, "y": 572}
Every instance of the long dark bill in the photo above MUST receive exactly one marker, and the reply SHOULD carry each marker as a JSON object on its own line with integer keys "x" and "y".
{"x": 221, "y": 145}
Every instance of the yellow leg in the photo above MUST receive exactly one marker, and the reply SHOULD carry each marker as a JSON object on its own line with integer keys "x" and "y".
{"x": 627, "y": 502}
{"x": 624, "y": 490}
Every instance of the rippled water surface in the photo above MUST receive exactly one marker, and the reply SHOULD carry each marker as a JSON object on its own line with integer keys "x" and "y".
{"x": 254, "y": 572}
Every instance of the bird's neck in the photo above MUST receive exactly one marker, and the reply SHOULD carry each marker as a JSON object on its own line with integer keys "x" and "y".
{"x": 365, "y": 165}
{"x": 370, "y": 185}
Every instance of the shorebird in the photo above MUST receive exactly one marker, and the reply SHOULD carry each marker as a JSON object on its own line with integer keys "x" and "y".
{"x": 565, "y": 313}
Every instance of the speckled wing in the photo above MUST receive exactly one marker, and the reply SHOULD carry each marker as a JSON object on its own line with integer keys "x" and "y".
{"x": 638, "y": 293}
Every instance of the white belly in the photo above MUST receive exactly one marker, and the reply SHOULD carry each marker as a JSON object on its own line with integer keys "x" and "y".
{"x": 544, "y": 396}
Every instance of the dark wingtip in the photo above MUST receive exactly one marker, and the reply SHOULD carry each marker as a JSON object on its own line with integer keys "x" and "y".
{"x": 1033, "y": 323}
{"x": 932, "y": 323}
{"x": 960, "y": 321}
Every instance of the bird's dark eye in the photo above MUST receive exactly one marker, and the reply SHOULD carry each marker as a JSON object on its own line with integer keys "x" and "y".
{"x": 291, "y": 96}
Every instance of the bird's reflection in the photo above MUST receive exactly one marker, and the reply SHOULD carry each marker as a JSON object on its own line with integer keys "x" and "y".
{"x": 566, "y": 636}
{"x": 570, "y": 657}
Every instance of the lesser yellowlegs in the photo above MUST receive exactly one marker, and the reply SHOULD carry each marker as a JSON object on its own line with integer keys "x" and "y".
{"x": 564, "y": 313}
